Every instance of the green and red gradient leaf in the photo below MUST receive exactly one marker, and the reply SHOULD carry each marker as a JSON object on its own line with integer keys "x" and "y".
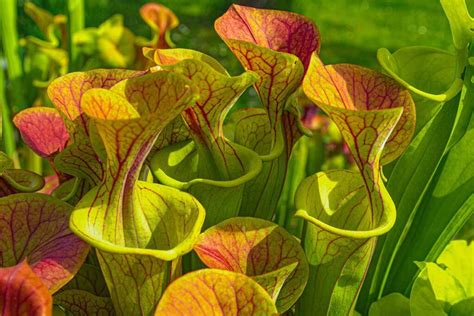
{"x": 349, "y": 209}
{"x": 79, "y": 158}
{"x": 355, "y": 88}
{"x": 23, "y": 293}
{"x": 161, "y": 20}
{"x": 217, "y": 163}
{"x": 261, "y": 250}
{"x": 215, "y": 292}
{"x": 128, "y": 120}
{"x": 66, "y": 92}
{"x": 43, "y": 130}
{"x": 280, "y": 31}
{"x": 137, "y": 227}
{"x": 218, "y": 93}
{"x": 35, "y": 227}
{"x": 277, "y": 45}
{"x": 177, "y": 131}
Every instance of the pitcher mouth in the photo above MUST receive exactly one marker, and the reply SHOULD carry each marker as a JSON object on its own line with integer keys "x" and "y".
{"x": 80, "y": 228}
{"x": 383, "y": 227}
{"x": 252, "y": 166}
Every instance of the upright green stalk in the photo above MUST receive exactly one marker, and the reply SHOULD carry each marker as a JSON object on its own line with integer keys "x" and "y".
{"x": 75, "y": 9}
{"x": 15, "y": 73}
{"x": 6, "y": 123}
{"x": 11, "y": 50}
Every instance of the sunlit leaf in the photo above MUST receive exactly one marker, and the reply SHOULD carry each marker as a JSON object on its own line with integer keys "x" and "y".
{"x": 349, "y": 209}
{"x": 276, "y": 45}
{"x": 215, "y": 292}
{"x": 393, "y": 304}
{"x": 137, "y": 227}
{"x": 79, "y": 158}
{"x": 261, "y": 250}
{"x": 428, "y": 72}
{"x": 173, "y": 56}
{"x": 216, "y": 161}
{"x": 425, "y": 187}
{"x": 356, "y": 88}
{"x": 66, "y": 92}
{"x": 456, "y": 259}
{"x": 434, "y": 291}
{"x": 460, "y": 21}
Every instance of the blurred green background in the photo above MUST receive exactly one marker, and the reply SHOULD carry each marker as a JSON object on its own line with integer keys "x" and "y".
{"x": 351, "y": 30}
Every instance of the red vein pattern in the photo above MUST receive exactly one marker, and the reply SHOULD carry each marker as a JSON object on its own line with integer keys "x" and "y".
{"x": 259, "y": 249}
{"x": 22, "y": 292}
{"x": 337, "y": 263}
{"x": 278, "y": 30}
{"x": 42, "y": 129}
{"x": 215, "y": 292}
{"x": 350, "y": 209}
{"x": 66, "y": 92}
{"x": 277, "y": 45}
{"x": 356, "y": 88}
{"x": 218, "y": 92}
{"x": 79, "y": 158}
{"x": 35, "y": 227}
{"x": 128, "y": 138}
{"x": 136, "y": 226}
{"x": 175, "y": 132}
{"x": 253, "y": 130}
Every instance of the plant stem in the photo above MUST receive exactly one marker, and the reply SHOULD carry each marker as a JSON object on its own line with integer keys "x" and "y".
{"x": 7, "y": 133}
{"x": 11, "y": 50}
{"x": 76, "y": 21}
{"x": 15, "y": 73}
